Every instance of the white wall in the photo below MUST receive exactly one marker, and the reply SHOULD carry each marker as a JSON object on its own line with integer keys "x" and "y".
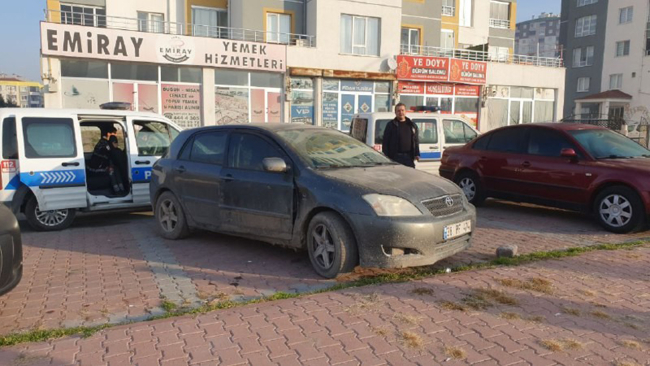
{"x": 129, "y": 9}
{"x": 637, "y": 85}
{"x": 479, "y": 32}
{"x": 327, "y": 55}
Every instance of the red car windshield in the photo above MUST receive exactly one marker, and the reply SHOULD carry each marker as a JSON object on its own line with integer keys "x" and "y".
{"x": 606, "y": 144}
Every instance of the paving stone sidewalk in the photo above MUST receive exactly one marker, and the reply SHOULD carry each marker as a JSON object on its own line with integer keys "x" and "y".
{"x": 586, "y": 310}
{"x": 114, "y": 268}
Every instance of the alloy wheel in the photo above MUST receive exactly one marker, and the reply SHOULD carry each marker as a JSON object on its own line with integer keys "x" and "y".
{"x": 51, "y": 218}
{"x": 469, "y": 188}
{"x": 615, "y": 210}
{"x": 168, "y": 215}
{"x": 323, "y": 246}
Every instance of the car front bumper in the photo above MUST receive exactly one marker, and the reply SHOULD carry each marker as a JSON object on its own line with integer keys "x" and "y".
{"x": 381, "y": 240}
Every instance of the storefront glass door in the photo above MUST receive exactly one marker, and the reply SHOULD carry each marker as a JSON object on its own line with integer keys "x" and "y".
{"x": 266, "y": 106}
{"x": 352, "y": 104}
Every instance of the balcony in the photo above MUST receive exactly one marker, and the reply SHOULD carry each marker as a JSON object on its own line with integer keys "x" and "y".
{"x": 185, "y": 29}
{"x": 500, "y": 23}
{"x": 448, "y": 11}
{"x": 472, "y": 55}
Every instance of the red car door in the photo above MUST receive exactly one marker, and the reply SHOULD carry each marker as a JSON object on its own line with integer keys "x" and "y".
{"x": 499, "y": 162}
{"x": 546, "y": 176}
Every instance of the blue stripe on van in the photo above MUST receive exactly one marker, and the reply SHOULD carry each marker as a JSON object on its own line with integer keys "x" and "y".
{"x": 13, "y": 184}
{"x": 54, "y": 178}
{"x": 430, "y": 155}
{"x": 141, "y": 175}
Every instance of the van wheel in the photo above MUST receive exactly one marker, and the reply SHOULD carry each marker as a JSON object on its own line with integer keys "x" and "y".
{"x": 472, "y": 187}
{"x": 619, "y": 209}
{"x": 170, "y": 217}
{"x": 331, "y": 245}
{"x": 52, "y": 220}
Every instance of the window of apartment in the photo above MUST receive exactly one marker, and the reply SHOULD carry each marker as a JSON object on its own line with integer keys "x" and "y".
{"x": 465, "y": 13}
{"x": 586, "y": 26}
{"x": 625, "y": 15}
{"x": 83, "y": 15}
{"x": 499, "y": 14}
{"x": 447, "y": 39}
{"x": 499, "y": 54}
{"x": 622, "y": 48}
{"x": 647, "y": 39}
{"x": 359, "y": 35}
{"x": 411, "y": 40}
{"x": 278, "y": 28}
{"x": 586, "y": 2}
{"x": 209, "y": 22}
{"x": 150, "y": 22}
{"x": 583, "y": 56}
{"x": 615, "y": 81}
{"x": 583, "y": 84}
{"x": 449, "y": 8}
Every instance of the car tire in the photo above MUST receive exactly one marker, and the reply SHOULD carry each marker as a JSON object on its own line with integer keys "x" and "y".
{"x": 331, "y": 245}
{"x": 171, "y": 217}
{"x": 619, "y": 209}
{"x": 472, "y": 187}
{"x": 53, "y": 220}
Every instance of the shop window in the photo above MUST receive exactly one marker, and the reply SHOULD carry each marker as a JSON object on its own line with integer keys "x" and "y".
{"x": 466, "y": 105}
{"x": 84, "y": 69}
{"x": 230, "y": 77}
{"x": 132, "y": 71}
{"x": 266, "y": 79}
{"x": 519, "y": 92}
{"x": 412, "y": 101}
{"x": 543, "y": 111}
{"x": 181, "y": 74}
{"x": 231, "y": 105}
{"x": 302, "y": 100}
{"x": 359, "y": 35}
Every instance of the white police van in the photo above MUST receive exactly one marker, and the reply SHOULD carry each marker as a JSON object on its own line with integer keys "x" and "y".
{"x": 44, "y": 160}
{"x": 436, "y": 132}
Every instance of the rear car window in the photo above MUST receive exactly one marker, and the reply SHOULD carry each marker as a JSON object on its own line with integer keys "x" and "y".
{"x": 209, "y": 148}
{"x": 359, "y": 129}
{"x": 49, "y": 138}
{"x": 507, "y": 140}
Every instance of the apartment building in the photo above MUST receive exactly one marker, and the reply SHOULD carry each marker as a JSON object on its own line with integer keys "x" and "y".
{"x": 23, "y": 93}
{"x": 609, "y": 72}
{"x": 204, "y": 62}
{"x": 539, "y": 36}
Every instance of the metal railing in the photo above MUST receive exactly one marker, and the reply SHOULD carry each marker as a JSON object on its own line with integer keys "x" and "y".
{"x": 500, "y": 23}
{"x": 182, "y": 29}
{"x": 448, "y": 11}
{"x": 472, "y": 55}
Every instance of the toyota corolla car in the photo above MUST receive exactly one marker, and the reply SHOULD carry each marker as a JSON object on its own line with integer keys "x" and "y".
{"x": 308, "y": 187}
{"x": 11, "y": 251}
{"x": 566, "y": 165}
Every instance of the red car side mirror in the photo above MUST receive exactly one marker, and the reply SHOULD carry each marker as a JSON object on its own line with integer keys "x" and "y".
{"x": 569, "y": 153}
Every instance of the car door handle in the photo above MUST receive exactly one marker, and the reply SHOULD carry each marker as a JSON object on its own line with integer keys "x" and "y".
{"x": 228, "y": 178}
{"x": 74, "y": 163}
{"x": 142, "y": 162}
{"x": 525, "y": 164}
{"x": 482, "y": 158}
{"x": 180, "y": 169}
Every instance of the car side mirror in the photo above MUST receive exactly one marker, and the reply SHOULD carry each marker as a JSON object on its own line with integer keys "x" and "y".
{"x": 274, "y": 165}
{"x": 569, "y": 153}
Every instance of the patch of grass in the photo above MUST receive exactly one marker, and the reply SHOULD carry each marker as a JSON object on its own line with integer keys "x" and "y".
{"x": 411, "y": 340}
{"x": 589, "y": 293}
{"x": 498, "y": 296}
{"x": 600, "y": 314}
{"x": 421, "y": 291}
{"x": 408, "y": 319}
{"x": 534, "y": 284}
{"x": 571, "y": 311}
{"x": 536, "y": 319}
{"x": 630, "y": 344}
{"x": 42, "y": 335}
{"x": 572, "y": 344}
{"x": 456, "y": 353}
{"x": 450, "y": 305}
{"x": 381, "y": 331}
{"x": 556, "y": 345}
{"x": 625, "y": 363}
{"x": 168, "y": 306}
{"x": 551, "y": 345}
{"x": 510, "y": 316}
{"x": 633, "y": 255}
{"x": 476, "y": 301}
{"x": 364, "y": 304}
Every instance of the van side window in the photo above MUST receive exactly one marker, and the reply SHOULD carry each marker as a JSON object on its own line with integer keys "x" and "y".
{"x": 457, "y": 132}
{"x": 428, "y": 131}
{"x": 49, "y": 138}
{"x": 9, "y": 139}
{"x": 359, "y": 129}
{"x": 152, "y": 137}
{"x": 209, "y": 148}
{"x": 380, "y": 127}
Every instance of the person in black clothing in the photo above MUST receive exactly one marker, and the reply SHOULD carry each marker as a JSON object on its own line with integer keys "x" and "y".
{"x": 102, "y": 162}
{"x": 401, "y": 142}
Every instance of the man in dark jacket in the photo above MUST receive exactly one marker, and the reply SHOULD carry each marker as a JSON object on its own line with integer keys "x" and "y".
{"x": 401, "y": 142}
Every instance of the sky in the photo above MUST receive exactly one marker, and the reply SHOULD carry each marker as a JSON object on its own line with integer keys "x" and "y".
{"x": 20, "y": 40}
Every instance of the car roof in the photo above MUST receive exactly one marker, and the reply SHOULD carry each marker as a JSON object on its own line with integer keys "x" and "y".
{"x": 63, "y": 111}
{"x": 271, "y": 127}
{"x": 409, "y": 114}
{"x": 562, "y": 126}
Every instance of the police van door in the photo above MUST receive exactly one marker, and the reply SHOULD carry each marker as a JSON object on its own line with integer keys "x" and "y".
{"x": 429, "y": 138}
{"x": 149, "y": 140}
{"x": 456, "y": 132}
{"x": 52, "y": 163}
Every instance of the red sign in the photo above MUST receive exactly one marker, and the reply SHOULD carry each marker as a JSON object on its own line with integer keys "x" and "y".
{"x": 8, "y": 166}
{"x": 467, "y": 90}
{"x": 440, "y": 89}
{"x": 468, "y": 71}
{"x": 407, "y": 87}
{"x": 422, "y": 68}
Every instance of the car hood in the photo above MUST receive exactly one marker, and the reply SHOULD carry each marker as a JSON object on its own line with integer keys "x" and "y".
{"x": 394, "y": 180}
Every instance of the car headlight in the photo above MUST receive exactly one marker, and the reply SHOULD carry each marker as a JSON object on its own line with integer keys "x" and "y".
{"x": 391, "y": 205}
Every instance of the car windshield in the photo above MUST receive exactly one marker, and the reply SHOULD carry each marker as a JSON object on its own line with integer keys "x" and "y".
{"x": 606, "y": 144}
{"x": 331, "y": 149}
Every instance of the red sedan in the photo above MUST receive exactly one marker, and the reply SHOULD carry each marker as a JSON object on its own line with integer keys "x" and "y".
{"x": 570, "y": 166}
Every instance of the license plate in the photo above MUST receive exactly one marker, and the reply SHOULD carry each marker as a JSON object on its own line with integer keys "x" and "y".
{"x": 456, "y": 230}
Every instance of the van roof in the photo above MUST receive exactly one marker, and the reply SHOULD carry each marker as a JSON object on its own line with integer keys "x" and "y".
{"x": 53, "y": 112}
{"x": 391, "y": 115}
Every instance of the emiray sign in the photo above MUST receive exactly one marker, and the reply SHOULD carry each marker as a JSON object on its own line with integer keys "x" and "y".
{"x": 120, "y": 45}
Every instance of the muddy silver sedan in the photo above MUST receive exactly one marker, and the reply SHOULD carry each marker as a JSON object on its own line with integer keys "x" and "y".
{"x": 311, "y": 188}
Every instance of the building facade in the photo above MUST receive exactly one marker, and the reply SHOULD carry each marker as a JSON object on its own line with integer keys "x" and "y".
{"x": 206, "y": 62}
{"x": 539, "y": 36}
{"x": 608, "y": 43}
{"x": 23, "y": 93}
